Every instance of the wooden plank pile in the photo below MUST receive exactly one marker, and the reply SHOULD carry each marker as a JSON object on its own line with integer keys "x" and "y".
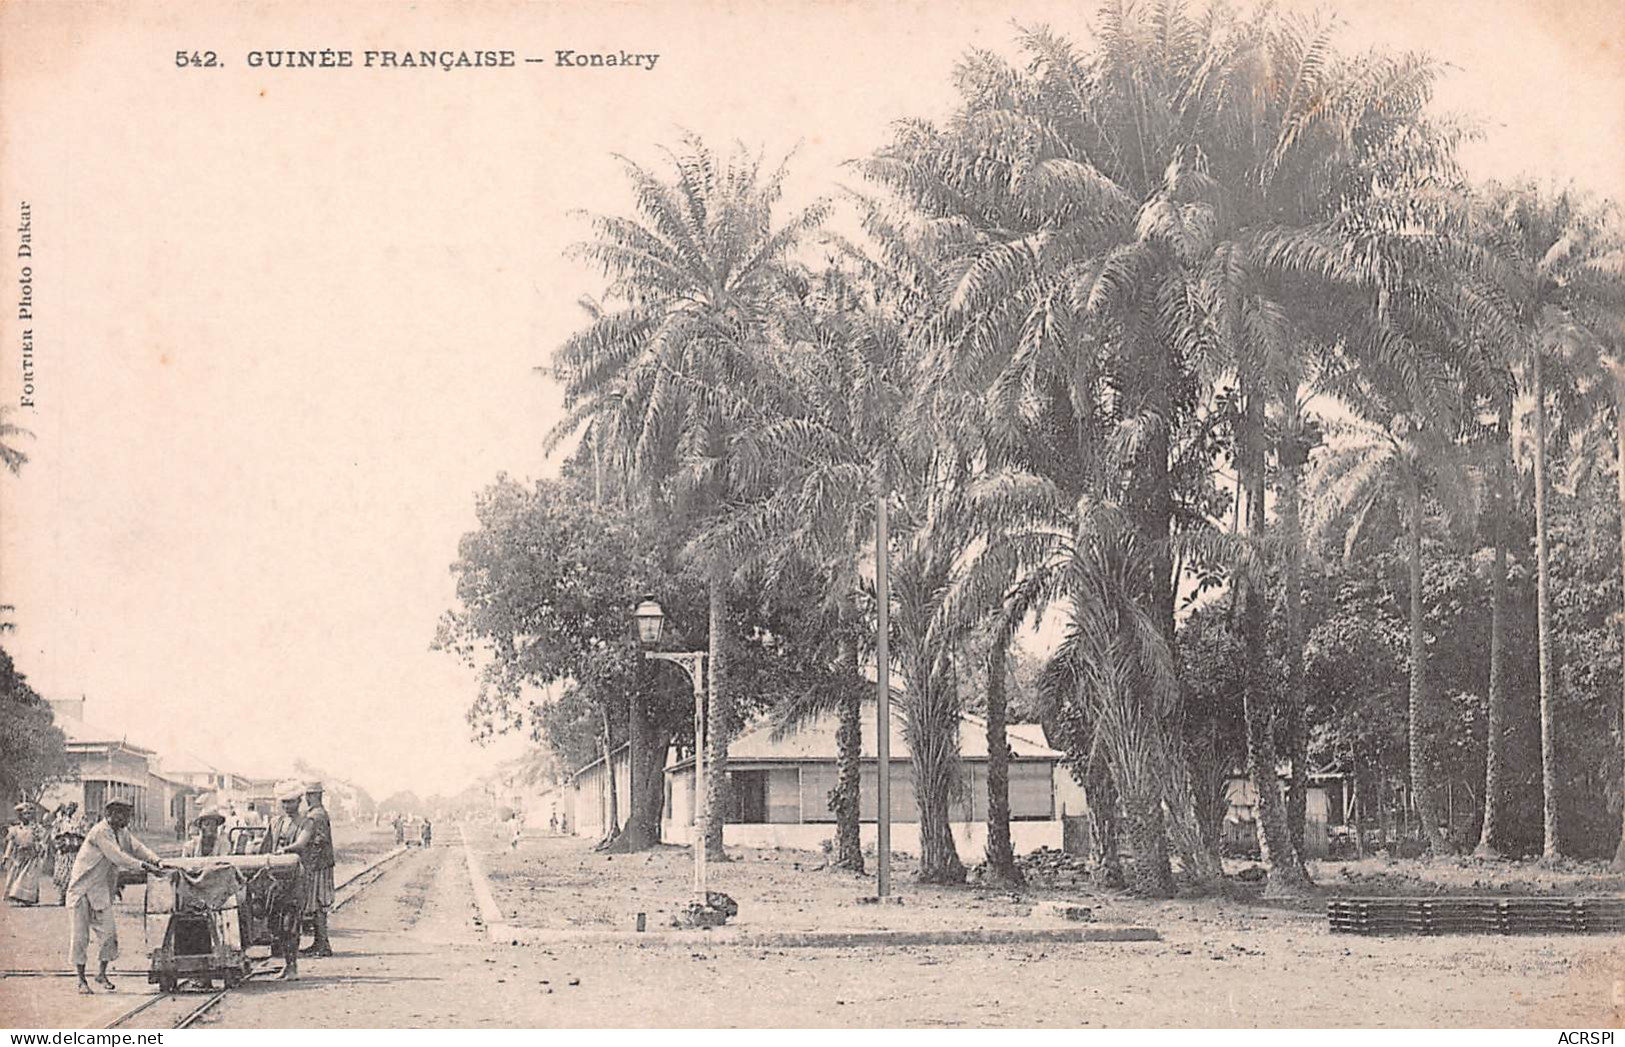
{"x": 1387, "y": 916}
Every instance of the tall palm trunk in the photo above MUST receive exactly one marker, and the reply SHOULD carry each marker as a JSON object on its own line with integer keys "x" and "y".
{"x": 1001, "y": 859}
{"x": 1148, "y": 838}
{"x": 1286, "y": 872}
{"x": 1197, "y": 849}
{"x": 1489, "y": 835}
{"x": 1101, "y": 793}
{"x": 1293, "y": 455}
{"x": 933, "y": 745}
{"x": 717, "y": 719}
{"x": 1543, "y": 620}
{"x": 1421, "y": 783}
{"x": 1175, "y": 824}
{"x": 844, "y": 801}
{"x": 939, "y": 858}
{"x": 1619, "y": 425}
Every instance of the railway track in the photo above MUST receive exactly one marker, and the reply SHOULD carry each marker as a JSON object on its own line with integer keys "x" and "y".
{"x": 181, "y": 1010}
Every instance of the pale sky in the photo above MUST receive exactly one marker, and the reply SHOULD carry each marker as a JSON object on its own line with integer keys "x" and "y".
{"x": 286, "y": 319}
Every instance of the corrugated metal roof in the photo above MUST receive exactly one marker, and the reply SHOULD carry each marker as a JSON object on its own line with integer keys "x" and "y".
{"x": 80, "y": 733}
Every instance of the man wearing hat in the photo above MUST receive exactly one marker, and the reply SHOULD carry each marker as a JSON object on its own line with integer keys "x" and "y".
{"x": 318, "y": 861}
{"x": 289, "y": 834}
{"x": 207, "y": 841}
{"x": 108, "y": 847}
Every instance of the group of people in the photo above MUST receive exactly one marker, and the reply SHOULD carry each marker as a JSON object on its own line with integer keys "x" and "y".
{"x": 424, "y": 831}
{"x": 36, "y": 848}
{"x": 310, "y": 836}
{"x": 85, "y": 863}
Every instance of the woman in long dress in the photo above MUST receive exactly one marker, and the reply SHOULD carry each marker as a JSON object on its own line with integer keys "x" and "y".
{"x": 67, "y": 833}
{"x": 24, "y": 857}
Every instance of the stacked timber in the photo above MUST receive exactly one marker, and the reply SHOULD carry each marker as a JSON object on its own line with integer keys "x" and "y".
{"x": 1388, "y": 916}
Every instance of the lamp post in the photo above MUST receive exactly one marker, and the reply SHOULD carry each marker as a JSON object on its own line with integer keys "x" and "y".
{"x": 651, "y": 619}
{"x": 882, "y": 691}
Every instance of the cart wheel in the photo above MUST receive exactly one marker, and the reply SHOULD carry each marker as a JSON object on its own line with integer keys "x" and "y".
{"x": 167, "y": 984}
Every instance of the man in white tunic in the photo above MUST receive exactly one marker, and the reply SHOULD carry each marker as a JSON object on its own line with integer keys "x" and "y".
{"x": 108, "y": 847}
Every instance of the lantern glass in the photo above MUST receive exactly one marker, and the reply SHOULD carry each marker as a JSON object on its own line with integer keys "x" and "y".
{"x": 651, "y": 621}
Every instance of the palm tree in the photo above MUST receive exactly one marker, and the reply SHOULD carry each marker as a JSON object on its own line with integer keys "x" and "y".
{"x": 696, "y": 278}
{"x": 1500, "y": 504}
{"x": 1147, "y": 211}
{"x": 842, "y": 365}
{"x": 1026, "y": 206}
{"x": 1553, "y": 244}
{"x": 1581, "y": 330}
{"x": 1399, "y": 457}
{"x": 1296, "y": 433}
{"x": 931, "y": 541}
{"x": 1106, "y": 690}
{"x": 1616, "y": 371}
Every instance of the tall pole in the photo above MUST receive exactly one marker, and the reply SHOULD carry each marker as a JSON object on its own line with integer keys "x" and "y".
{"x": 1619, "y": 425}
{"x": 883, "y": 691}
{"x": 696, "y": 669}
{"x": 694, "y": 665}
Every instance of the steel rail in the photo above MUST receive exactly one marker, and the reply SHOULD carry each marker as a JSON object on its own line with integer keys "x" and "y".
{"x": 351, "y": 883}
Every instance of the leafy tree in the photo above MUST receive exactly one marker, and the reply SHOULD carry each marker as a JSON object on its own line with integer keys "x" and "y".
{"x": 1213, "y": 665}
{"x": 1552, "y": 245}
{"x": 819, "y": 447}
{"x": 546, "y": 588}
{"x": 1367, "y": 466}
{"x": 32, "y": 747}
{"x": 673, "y": 369}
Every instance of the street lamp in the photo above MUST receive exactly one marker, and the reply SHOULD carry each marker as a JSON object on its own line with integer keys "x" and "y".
{"x": 651, "y": 619}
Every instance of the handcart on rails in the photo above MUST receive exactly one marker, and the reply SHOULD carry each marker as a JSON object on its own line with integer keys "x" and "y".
{"x": 208, "y": 912}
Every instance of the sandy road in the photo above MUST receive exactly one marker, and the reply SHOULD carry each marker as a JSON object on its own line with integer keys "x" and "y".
{"x": 411, "y": 955}
{"x": 33, "y": 939}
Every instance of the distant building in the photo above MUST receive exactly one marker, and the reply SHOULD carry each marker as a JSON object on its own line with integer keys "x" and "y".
{"x": 585, "y": 805}
{"x": 778, "y": 789}
{"x": 109, "y": 766}
{"x": 778, "y": 793}
{"x": 193, "y": 770}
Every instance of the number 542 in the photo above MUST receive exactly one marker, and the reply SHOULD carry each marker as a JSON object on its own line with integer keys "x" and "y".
{"x": 197, "y": 59}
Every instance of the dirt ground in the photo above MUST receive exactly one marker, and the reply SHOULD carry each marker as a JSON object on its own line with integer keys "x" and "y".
{"x": 412, "y": 954}
{"x": 35, "y": 939}
{"x": 778, "y": 890}
{"x": 1377, "y": 877}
